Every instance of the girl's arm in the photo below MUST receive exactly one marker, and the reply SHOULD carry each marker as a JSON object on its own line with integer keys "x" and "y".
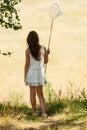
{"x": 27, "y": 62}
{"x": 46, "y": 55}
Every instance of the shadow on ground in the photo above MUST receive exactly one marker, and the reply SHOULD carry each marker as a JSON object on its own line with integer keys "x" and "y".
{"x": 77, "y": 122}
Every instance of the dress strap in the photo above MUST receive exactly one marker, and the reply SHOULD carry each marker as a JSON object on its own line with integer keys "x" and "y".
{"x": 42, "y": 49}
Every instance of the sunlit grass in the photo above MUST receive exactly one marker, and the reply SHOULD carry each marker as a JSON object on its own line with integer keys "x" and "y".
{"x": 63, "y": 113}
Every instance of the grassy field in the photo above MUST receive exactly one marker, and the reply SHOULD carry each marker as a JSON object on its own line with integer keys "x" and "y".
{"x": 64, "y": 114}
{"x": 67, "y": 67}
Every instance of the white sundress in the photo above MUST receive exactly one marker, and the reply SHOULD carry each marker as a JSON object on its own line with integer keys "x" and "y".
{"x": 36, "y": 75}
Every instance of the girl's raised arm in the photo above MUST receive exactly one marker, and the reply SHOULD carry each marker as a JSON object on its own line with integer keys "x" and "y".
{"x": 46, "y": 55}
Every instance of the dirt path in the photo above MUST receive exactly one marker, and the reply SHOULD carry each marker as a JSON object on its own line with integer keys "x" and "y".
{"x": 57, "y": 122}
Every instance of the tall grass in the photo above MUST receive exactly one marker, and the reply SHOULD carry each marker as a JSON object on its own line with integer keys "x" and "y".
{"x": 54, "y": 105}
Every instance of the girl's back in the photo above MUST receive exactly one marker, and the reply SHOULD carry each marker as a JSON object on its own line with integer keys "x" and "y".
{"x": 36, "y": 64}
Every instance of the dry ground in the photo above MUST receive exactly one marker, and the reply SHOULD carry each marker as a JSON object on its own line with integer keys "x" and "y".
{"x": 58, "y": 122}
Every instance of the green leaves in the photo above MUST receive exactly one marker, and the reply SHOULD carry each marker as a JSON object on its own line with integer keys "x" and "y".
{"x": 8, "y": 14}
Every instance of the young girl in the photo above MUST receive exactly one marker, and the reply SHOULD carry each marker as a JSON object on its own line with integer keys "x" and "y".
{"x": 36, "y": 57}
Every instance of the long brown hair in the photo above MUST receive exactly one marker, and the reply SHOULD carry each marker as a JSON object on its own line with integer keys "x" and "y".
{"x": 33, "y": 43}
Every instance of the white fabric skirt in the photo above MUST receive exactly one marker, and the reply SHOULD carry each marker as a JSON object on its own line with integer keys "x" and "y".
{"x": 35, "y": 77}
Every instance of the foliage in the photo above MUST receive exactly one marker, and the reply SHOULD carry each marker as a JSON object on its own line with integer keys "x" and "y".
{"x": 81, "y": 102}
{"x": 9, "y": 53}
{"x": 55, "y": 103}
{"x": 50, "y": 94}
{"x": 9, "y": 15}
{"x": 83, "y": 94}
{"x": 55, "y": 107}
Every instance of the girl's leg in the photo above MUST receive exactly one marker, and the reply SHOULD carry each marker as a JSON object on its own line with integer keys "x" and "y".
{"x": 41, "y": 98}
{"x": 33, "y": 97}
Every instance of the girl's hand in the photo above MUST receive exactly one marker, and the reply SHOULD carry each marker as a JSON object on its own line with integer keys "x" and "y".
{"x": 48, "y": 51}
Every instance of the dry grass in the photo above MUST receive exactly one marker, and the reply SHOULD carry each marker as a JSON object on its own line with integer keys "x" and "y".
{"x": 60, "y": 122}
{"x": 67, "y": 70}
